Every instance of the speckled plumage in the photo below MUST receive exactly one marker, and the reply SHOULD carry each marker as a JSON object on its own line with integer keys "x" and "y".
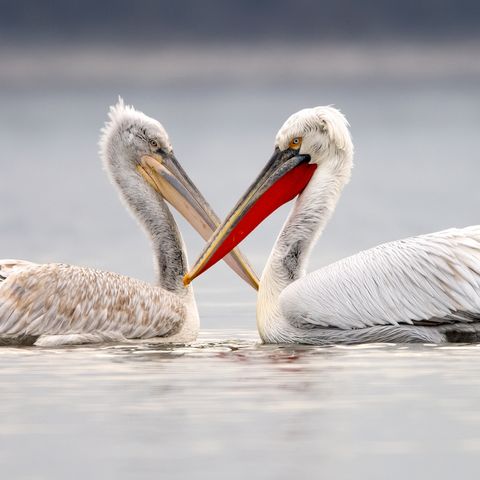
{"x": 53, "y": 304}
{"x": 56, "y": 304}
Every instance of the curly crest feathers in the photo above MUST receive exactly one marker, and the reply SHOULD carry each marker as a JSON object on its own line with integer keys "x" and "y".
{"x": 325, "y": 120}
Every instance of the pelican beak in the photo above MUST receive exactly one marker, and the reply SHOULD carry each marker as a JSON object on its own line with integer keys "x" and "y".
{"x": 167, "y": 177}
{"x": 283, "y": 178}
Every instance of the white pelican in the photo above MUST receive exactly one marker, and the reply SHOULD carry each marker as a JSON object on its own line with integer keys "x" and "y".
{"x": 421, "y": 289}
{"x": 57, "y": 304}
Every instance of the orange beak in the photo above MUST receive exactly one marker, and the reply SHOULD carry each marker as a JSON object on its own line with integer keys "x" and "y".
{"x": 166, "y": 176}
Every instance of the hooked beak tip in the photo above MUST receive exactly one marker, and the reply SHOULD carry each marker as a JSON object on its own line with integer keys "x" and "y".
{"x": 187, "y": 280}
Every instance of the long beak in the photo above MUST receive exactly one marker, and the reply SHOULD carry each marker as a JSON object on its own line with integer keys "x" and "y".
{"x": 283, "y": 178}
{"x": 167, "y": 177}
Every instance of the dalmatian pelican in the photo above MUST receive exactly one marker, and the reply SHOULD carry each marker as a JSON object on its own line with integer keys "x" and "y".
{"x": 56, "y": 304}
{"x": 420, "y": 289}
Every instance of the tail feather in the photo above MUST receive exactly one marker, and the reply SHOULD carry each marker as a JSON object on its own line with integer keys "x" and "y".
{"x": 462, "y": 332}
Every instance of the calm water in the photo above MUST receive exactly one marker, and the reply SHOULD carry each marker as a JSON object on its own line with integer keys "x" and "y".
{"x": 228, "y": 407}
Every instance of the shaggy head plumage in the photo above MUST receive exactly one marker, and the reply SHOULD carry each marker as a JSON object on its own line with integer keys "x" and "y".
{"x": 324, "y": 131}
{"x": 128, "y": 134}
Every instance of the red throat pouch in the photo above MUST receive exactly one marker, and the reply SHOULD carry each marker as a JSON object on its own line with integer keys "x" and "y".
{"x": 282, "y": 191}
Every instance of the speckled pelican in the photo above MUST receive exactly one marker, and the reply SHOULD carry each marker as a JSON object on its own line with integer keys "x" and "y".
{"x": 421, "y": 289}
{"x": 56, "y": 304}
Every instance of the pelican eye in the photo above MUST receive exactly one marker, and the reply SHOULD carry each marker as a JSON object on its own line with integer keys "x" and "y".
{"x": 295, "y": 143}
{"x": 153, "y": 143}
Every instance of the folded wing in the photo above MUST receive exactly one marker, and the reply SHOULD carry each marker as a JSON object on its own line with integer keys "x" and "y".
{"x": 431, "y": 279}
{"x": 58, "y": 299}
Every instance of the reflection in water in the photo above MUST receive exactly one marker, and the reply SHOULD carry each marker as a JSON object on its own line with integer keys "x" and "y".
{"x": 229, "y": 406}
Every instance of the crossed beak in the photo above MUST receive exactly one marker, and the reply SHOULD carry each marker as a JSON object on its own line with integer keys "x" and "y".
{"x": 163, "y": 172}
{"x": 283, "y": 178}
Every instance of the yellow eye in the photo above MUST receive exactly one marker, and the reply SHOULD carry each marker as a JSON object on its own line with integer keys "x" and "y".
{"x": 153, "y": 143}
{"x": 295, "y": 143}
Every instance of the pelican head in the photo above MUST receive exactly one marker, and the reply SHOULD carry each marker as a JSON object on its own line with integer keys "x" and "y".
{"x": 128, "y": 136}
{"x": 138, "y": 155}
{"x": 319, "y": 132}
{"x": 312, "y": 142}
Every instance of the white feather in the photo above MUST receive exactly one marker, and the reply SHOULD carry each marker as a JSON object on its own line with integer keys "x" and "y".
{"x": 417, "y": 289}
{"x": 348, "y": 295}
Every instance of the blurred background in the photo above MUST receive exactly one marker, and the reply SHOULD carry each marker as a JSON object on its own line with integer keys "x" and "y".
{"x": 222, "y": 77}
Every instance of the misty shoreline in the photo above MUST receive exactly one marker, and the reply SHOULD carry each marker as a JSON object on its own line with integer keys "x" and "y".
{"x": 264, "y": 63}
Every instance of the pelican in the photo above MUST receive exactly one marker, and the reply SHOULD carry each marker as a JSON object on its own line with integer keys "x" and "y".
{"x": 421, "y": 289}
{"x": 56, "y": 304}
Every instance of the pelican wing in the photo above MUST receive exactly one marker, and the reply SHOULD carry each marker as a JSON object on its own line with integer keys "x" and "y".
{"x": 58, "y": 299}
{"x": 426, "y": 280}
{"x": 10, "y": 267}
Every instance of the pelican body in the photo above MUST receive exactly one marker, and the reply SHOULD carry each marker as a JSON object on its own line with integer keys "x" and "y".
{"x": 57, "y": 304}
{"x": 421, "y": 289}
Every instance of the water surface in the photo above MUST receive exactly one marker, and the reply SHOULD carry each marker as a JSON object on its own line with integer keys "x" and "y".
{"x": 229, "y": 407}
